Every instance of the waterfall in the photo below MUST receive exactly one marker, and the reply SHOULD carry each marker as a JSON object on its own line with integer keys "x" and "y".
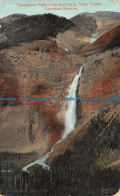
{"x": 70, "y": 121}
{"x": 93, "y": 39}
{"x": 70, "y": 117}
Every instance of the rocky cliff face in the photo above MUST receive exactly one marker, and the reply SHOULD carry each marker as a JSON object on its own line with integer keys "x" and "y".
{"x": 37, "y": 69}
{"x": 100, "y": 79}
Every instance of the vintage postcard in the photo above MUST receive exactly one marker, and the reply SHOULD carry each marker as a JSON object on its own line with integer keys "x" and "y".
{"x": 60, "y": 97}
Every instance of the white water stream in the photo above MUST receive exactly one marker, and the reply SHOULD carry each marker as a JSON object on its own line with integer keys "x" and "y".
{"x": 93, "y": 39}
{"x": 70, "y": 117}
{"x": 70, "y": 121}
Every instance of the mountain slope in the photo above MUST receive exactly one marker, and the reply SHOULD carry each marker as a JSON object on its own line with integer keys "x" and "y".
{"x": 114, "y": 42}
{"x": 10, "y": 19}
{"x": 101, "y": 41}
{"x": 105, "y": 19}
{"x": 85, "y": 25}
{"x": 30, "y": 28}
{"x": 106, "y": 37}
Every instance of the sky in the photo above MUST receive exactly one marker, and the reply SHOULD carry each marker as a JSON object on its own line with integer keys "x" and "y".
{"x": 8, "y": 7}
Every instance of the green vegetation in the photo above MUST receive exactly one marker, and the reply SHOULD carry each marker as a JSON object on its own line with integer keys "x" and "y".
{"x": 77, "y": 171}
{"x": 30, "y": 28}
{"x": 107, "y": 157}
